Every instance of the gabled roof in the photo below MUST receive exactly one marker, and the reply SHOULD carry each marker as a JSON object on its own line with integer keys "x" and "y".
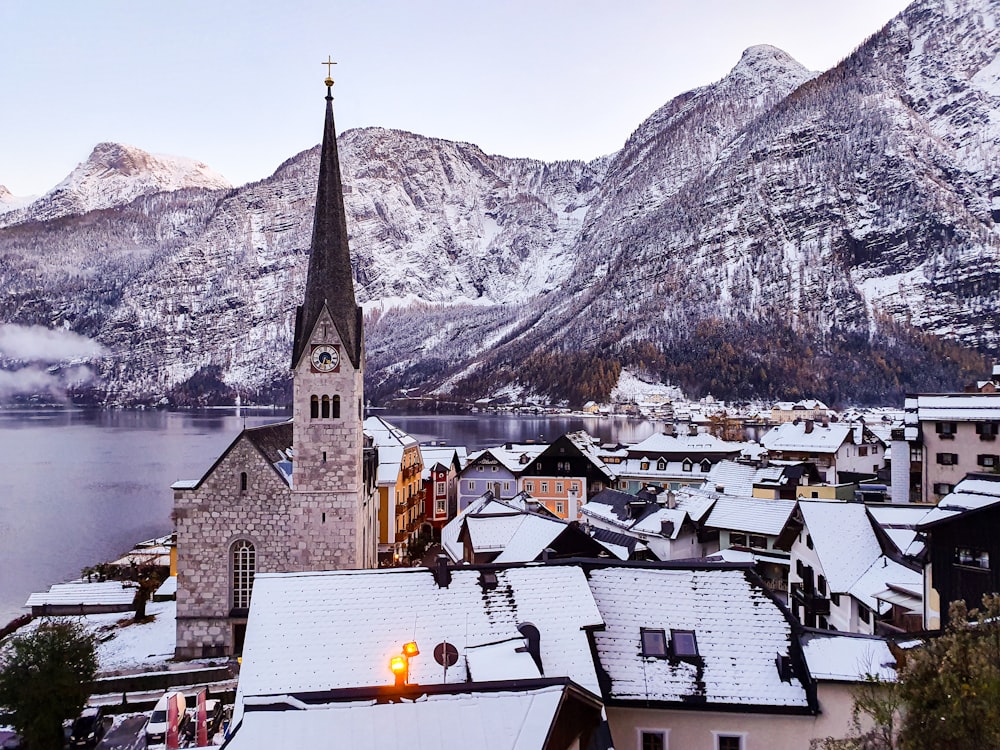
{"x": 694, "y": 445}
{"x": 751, "y": 514}
{"x": 330, "y": 280}
{"x": 843, "y": 538}
{"x": 313, "y": 631}
{"x": 975, "y": 493}
{"x": 585, "y": 445}
{"x": 898, "y": 522}
{"x": 80, "y": 592}
{"x": 272, "y": 441}
{"x": 794, "y": 437}
{"x": 883, "y": 573}
{"x": 951, "y": 407}
{"x": 738, "y": 627}
{"x": 511, "y": 455}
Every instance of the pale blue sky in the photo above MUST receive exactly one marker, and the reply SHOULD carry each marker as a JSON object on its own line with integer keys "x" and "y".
{"x": 239, "y": 85}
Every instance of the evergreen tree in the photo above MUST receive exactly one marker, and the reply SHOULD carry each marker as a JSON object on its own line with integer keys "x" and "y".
{"x": 45, "y": 679}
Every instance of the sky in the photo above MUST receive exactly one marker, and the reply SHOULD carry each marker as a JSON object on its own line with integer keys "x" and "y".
{"x": 239, "y": 85}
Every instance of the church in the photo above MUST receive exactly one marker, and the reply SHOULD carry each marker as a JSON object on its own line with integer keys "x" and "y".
{"x": 298, "y": 495}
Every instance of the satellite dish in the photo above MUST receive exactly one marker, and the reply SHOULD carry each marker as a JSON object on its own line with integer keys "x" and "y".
{"x": 445, "y": 654}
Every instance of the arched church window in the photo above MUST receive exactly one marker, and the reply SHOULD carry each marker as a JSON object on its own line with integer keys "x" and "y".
{"x": 244, "y": 566}
{"x": 336, "y": 407}
{"x": 243, "y": 481}
{"x": 325, "y": 407}
{"x": 314, "y": 407}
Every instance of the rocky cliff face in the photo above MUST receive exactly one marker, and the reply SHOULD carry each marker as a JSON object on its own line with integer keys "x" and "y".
{"x": 856, "y": 205}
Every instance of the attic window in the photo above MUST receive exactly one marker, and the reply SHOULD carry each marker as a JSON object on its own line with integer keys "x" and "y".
{"x": 661, "y": 465}
{"x": 686, "y": 466}
{"x": 683, "y": 644}
{"x": 653, "y": 642}
{"x": 644, "y": 465}
{"x": 706, "y": 465}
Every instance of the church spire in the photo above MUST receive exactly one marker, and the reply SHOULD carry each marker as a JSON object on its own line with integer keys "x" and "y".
{"x": 330, "y": 281}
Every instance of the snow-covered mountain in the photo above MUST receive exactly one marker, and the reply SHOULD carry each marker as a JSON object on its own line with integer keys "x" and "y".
{"x": 115, "y": 174}
{"x": 776, "y": 230}
{"x": 10, "y": 202}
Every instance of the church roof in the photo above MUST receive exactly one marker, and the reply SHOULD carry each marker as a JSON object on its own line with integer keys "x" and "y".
{"x": 330, "y": 282}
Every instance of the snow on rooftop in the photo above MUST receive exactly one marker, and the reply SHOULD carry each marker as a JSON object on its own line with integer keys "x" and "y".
{"x": 531, "y": 538}
{"x": 509, "y": 720}
{"x": 843, "y": 538}
{"x": 971, "y": 493}
{"x": 880, "y": 575}
{"x": 485, "y": 503}
{"x": 793, "y": 437}
{"x": 737, "y": 651}
{"x": 330, "y": 630}
{"x": 83, "y": 593}
{"x": 700, "y": 443}
{"x": 507, "y": 660}
{"x": 751, "y": 514}
{"x": 842, "y": 657}
{"x": 956, "y": 407}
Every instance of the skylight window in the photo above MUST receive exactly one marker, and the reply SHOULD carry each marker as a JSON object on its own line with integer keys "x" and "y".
{"x": 654, "y": 642}
{"x": 683, "y": 644}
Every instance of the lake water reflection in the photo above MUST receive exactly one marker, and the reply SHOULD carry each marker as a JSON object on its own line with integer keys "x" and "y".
{"x": 79, "y": 487}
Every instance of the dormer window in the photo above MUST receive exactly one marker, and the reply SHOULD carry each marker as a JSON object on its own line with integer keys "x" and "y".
{"x": 653, "y": 642}
{"x": 661, "y": 465}
{"x": 687, "y": 465}
{"x": 644, "y": 466}
{"x": 706, "y": 465}
{"x": 683, "y": 644}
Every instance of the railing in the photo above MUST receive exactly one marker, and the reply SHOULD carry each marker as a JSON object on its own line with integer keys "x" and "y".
{"x": 814, "y": 604}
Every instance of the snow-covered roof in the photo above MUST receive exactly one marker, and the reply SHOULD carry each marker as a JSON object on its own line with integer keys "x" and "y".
{"x": 484, "y": 504}
{"x": 952, "y": 407}
{"x": 751, "y": 514}
{"x": 324, "y": 630}
{"x": 846, "y": 657}
{"x": 738, "y": 479}
{"x": 115, "y": 593}
{"x": 506, "y": 720}
{"x": 794, "y": 437}
{"x": 975, "y": 492}
{"x": 442, "y": 454}
{"x": 843, "y": 538}
{"x": 671, "y": 470}
{"x": 531, "y": 538}
{"x": 702, "y": 443}
{"x": 515, "y": 457}
{"x": 899, "y": 522}
{"x": 738, "y": 629}
{"x": 386, "y": 434}
{"x": 167, "y": 588}
{"x": 882, "y": 573}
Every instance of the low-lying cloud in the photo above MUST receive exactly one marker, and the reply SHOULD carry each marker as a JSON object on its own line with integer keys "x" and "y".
{"x": 40, "y": 344}
{"x": 52, "y": 383}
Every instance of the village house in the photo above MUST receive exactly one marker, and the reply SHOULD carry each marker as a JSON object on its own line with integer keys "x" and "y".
{"x": 838, "y": 565}
{"x": 563, "y": 655}
{"x": 962, "y": 539}
{"x": 841, "y": 452}
{"x": 948, "y": 436}
{"x": 400, "y": 489}
{"x": 566, "y": 474}
{"x": 495, "y": 470}
{"x": 442, "y": 466}
{"x": 763, "y": 478}
{"x": 789, "y": 411}
{"x": 672, "y": 461}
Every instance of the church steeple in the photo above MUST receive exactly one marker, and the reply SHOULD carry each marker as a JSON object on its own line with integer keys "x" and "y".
{"x": 330, "y": 281}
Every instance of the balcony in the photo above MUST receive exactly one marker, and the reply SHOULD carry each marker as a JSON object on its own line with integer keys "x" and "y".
{"x": 401, "y": 508}
{"x": 814, "y": 603}
{"x": 401, "y": 536}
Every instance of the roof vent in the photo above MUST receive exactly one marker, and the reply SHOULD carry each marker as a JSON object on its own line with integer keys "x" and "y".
{"x": 667, "y": 528}
{"x": 784, "y": 664}
{"x": 488, "y": 580}
{"x": 442, "y": 573}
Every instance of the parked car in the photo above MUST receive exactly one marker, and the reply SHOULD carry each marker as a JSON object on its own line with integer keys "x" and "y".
{"x": 156, "y": 728}
{"x": 88, "y": 729}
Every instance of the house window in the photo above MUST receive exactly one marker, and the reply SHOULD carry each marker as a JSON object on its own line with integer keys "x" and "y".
{"x": 560, "y": 508}
{"x": 314, "y": 407}
{"x": 495, "y": 469}
{"x": 972, "y": 558}
{"x": 683, "y": 644}
{"x": 324, "y": 411}
{"x": 729, "y": 742}
{"x": 864, "y": 614}
{"x": 987, "y": 430}
{"x": 916, "y": 455}
{"x": 947, "y": 459}
{"x": 835, "y": 599}
{"x": 653, "y": 642}
{"x": 652, "y": 741}
{"x": 335, "y": 403}
{"x": 439, "y": 507}
{"x": 574, "y": 487}
{"x": 644, "y": 465}
{"x": 987, "y": 459}
{"x": 559, "y": 486}
{"x": 821, "y": 585}
{"x": 737, "y": 538}
{"x": 545, "y": 487}
{"x": 863, "y": 450}
{"x": 943, "y": 488}
{"x": 686, "y": 466}
{"x": 758, "y": 541}
{"x": 440, "y": 488}
{"x": 661, "y": 465}
{"x": 471, "y": 486}
{"x": 243, "y": 481}
{"x": 529, "y": 486}
{"x": 244, "y": 565}
{"x": 947, "y": 430}
{"x": 506, "y": 485}
{"x": 809, "y": 541}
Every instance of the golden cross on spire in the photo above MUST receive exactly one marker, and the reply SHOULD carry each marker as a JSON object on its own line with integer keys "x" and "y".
{"x": 329, "y": 67}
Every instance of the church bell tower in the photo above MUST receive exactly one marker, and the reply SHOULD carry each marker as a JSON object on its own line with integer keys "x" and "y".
{"x": 328, "y": 376}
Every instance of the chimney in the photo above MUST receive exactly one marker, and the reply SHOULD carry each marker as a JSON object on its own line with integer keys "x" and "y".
{"x": 442, "y": 573}
{"x": 809, "y": 426}
{"x": 667, "y": 528}
{"x": 668, "y": 428}
{"x": 671, "y": 499}
{"x": 693, "y": 430}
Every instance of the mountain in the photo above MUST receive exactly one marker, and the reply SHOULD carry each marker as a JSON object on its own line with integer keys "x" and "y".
{"x": 10, "y": 202}
{"x": 777, "y": 232}
{"x": 115, "y": 174}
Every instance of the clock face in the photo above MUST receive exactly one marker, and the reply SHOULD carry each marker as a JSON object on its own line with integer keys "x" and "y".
{"x": 325, "y": 357}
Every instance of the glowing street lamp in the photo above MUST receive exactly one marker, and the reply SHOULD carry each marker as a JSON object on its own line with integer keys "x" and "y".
{"x": 410, "y": 649}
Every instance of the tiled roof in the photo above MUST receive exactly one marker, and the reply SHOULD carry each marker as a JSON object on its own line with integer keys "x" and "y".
{"x": 899, "y": 522}
{"x": 485, "y": 503}
{"x": 313, "y": 631}
{"x": 878, "y": 577}
{"x": 843, "y": 538}
{"x": 739, "y": 630}
{"x": 738, "y": 479}
{"x": 490, "y": 533}
{"x": 845, "y": 657}
{"x": 751, "y": 514}
{"x": 511, "y": 455}
{"x": 80, "y": 592}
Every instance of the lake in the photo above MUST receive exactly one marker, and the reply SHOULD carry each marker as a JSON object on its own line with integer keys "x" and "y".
{"x": 78, "y": 487}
